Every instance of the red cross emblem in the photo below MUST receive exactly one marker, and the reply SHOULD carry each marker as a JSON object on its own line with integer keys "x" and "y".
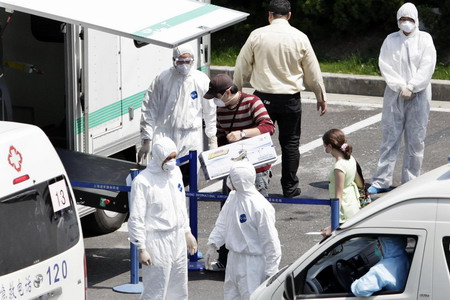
{"x": 15, "y": 158}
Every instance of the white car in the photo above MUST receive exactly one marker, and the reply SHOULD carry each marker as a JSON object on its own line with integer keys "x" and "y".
{"x": 419, "y": 211}
{"x": 42, "y": 249}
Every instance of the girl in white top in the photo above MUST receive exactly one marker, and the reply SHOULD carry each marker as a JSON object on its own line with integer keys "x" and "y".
{"x": 343, "y": 175}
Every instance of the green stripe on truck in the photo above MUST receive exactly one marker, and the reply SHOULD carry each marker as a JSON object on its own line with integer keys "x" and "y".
{"x": 110, "y": 112}
{"x": 172, "y": 22}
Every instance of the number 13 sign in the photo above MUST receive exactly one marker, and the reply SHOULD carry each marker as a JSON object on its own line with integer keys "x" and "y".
{"x": 59, "y": 195}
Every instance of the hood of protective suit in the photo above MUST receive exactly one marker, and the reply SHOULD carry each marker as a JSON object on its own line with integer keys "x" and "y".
{"x": 183, "y": 49}
{"x": 408, "y": 10}
{"x": 392, "y": 246}
{"x": 243, "y": 175}
{"x": 162, "y": 148}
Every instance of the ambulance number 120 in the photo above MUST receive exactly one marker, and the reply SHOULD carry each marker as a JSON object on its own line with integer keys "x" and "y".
{"x": 57, "y": 273}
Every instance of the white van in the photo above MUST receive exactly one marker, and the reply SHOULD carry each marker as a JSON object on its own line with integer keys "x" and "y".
{"x": 419, "y": 211}
{"x": 42, "y": 250}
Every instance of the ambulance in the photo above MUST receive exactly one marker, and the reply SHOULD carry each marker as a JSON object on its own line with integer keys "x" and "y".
{"x": 42, "y": 251}
{"x": 418, "y": 211}
{"x": 79, "y": 70}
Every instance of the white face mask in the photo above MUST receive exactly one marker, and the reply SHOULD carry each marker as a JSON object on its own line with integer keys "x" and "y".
{"x": 407, "y": 26}
{"x": 218, "y": 102}
{"x": 170, "y": 165}
{"x": 183, "y": 69}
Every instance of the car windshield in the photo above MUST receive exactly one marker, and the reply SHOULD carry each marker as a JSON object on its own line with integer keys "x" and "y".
{"x": 30, "y": 229}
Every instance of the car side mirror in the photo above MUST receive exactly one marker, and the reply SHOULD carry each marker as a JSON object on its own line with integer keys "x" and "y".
{"x": 289, "y": 287}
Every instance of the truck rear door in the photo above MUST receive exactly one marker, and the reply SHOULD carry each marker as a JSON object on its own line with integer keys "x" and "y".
{"x": 165, "y": 23}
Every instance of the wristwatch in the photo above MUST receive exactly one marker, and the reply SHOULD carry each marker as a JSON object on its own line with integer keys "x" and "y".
{"x": 243, "y": 134}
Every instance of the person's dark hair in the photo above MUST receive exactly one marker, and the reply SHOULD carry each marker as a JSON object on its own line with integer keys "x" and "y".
{"x": 336, "y": 138}
{"x": 280, "y": 7}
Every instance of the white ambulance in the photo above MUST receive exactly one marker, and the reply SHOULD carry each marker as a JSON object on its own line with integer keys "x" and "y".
{"x": 418, "y": 211}
{"x": 42, "y": 250}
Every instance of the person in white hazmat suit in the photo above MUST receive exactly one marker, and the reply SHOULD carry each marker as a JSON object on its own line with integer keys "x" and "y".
{"x": 390, "y": 273}
{"x": 407, "y": 61}
{"x": 159, "y": 225}
{"x": 246, "y": 224}
{"x": 174, "y": 106}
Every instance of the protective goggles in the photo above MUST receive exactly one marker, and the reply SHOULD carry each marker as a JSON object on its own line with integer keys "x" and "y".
{"x": 181, "y": 61}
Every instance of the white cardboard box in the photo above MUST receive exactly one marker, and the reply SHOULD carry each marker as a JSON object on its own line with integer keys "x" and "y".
{"x": 258, "y": 150}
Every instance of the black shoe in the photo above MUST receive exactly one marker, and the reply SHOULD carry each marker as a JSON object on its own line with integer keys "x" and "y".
{"x": 293, "y": 194}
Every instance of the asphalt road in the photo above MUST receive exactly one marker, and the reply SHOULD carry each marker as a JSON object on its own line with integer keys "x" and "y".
{"x": 359, "y": 116}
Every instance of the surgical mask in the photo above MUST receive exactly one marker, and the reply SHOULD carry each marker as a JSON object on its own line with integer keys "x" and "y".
{"x": 170, "y": 165}
{"x": 218, "y": 102}
{"x": 229, "y": 184}
{"x": 183, "y": 69}
{"x": 407, "y": 26}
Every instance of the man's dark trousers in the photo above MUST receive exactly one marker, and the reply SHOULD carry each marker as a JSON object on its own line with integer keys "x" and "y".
{"x": 286, "y": 110}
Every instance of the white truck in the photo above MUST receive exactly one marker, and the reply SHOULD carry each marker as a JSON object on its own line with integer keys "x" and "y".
{"x": 42, "y": 252}
{"x": 79, "y": 69}
{"x": 419, "y": 211}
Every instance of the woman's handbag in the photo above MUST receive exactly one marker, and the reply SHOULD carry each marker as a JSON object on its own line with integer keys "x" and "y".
{"x": 364, "y": 197}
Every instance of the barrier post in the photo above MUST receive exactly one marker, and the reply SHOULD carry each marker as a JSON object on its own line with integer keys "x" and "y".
{"x": 334, "y": 213}
{"x": 194, "y": 264}
{"x": 134, "y": 287}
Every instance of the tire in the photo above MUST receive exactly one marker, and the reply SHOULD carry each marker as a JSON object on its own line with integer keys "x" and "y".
{"x": 102, "y": 221}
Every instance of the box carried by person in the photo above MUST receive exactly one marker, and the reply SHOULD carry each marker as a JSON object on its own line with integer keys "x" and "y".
{"x": 258, "y": 150}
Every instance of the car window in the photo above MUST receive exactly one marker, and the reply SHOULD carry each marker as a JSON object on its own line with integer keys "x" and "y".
{"x": 333, "y": 272}
{"x": 446, "y": 245}
{"x": 31, "y": 230}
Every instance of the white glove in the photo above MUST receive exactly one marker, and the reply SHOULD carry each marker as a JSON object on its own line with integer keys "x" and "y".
{"x": 212, "y": 142}
{"x": 191, "y": 243}
{"x": 145, "y": 148}
{"x": 406, "y": 93}
{"x": 144, "y": 257}
{"x": 212, "y": 252}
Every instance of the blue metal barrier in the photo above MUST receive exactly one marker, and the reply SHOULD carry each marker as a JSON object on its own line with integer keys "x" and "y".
{"x": 194, "y": 264}
{"x": 334, "y": 214}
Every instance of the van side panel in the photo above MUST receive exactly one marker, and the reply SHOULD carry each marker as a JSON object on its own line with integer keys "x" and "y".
{"x": 441, "y": 276}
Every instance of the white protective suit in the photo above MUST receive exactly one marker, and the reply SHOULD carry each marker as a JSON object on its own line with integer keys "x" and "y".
{"x": 246, "y": 224}
{"x": 406, "y": 61}
{"x": 158, "y": 222}
{"x": 390, "y": 273}
{"x": 174, "y": 107}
